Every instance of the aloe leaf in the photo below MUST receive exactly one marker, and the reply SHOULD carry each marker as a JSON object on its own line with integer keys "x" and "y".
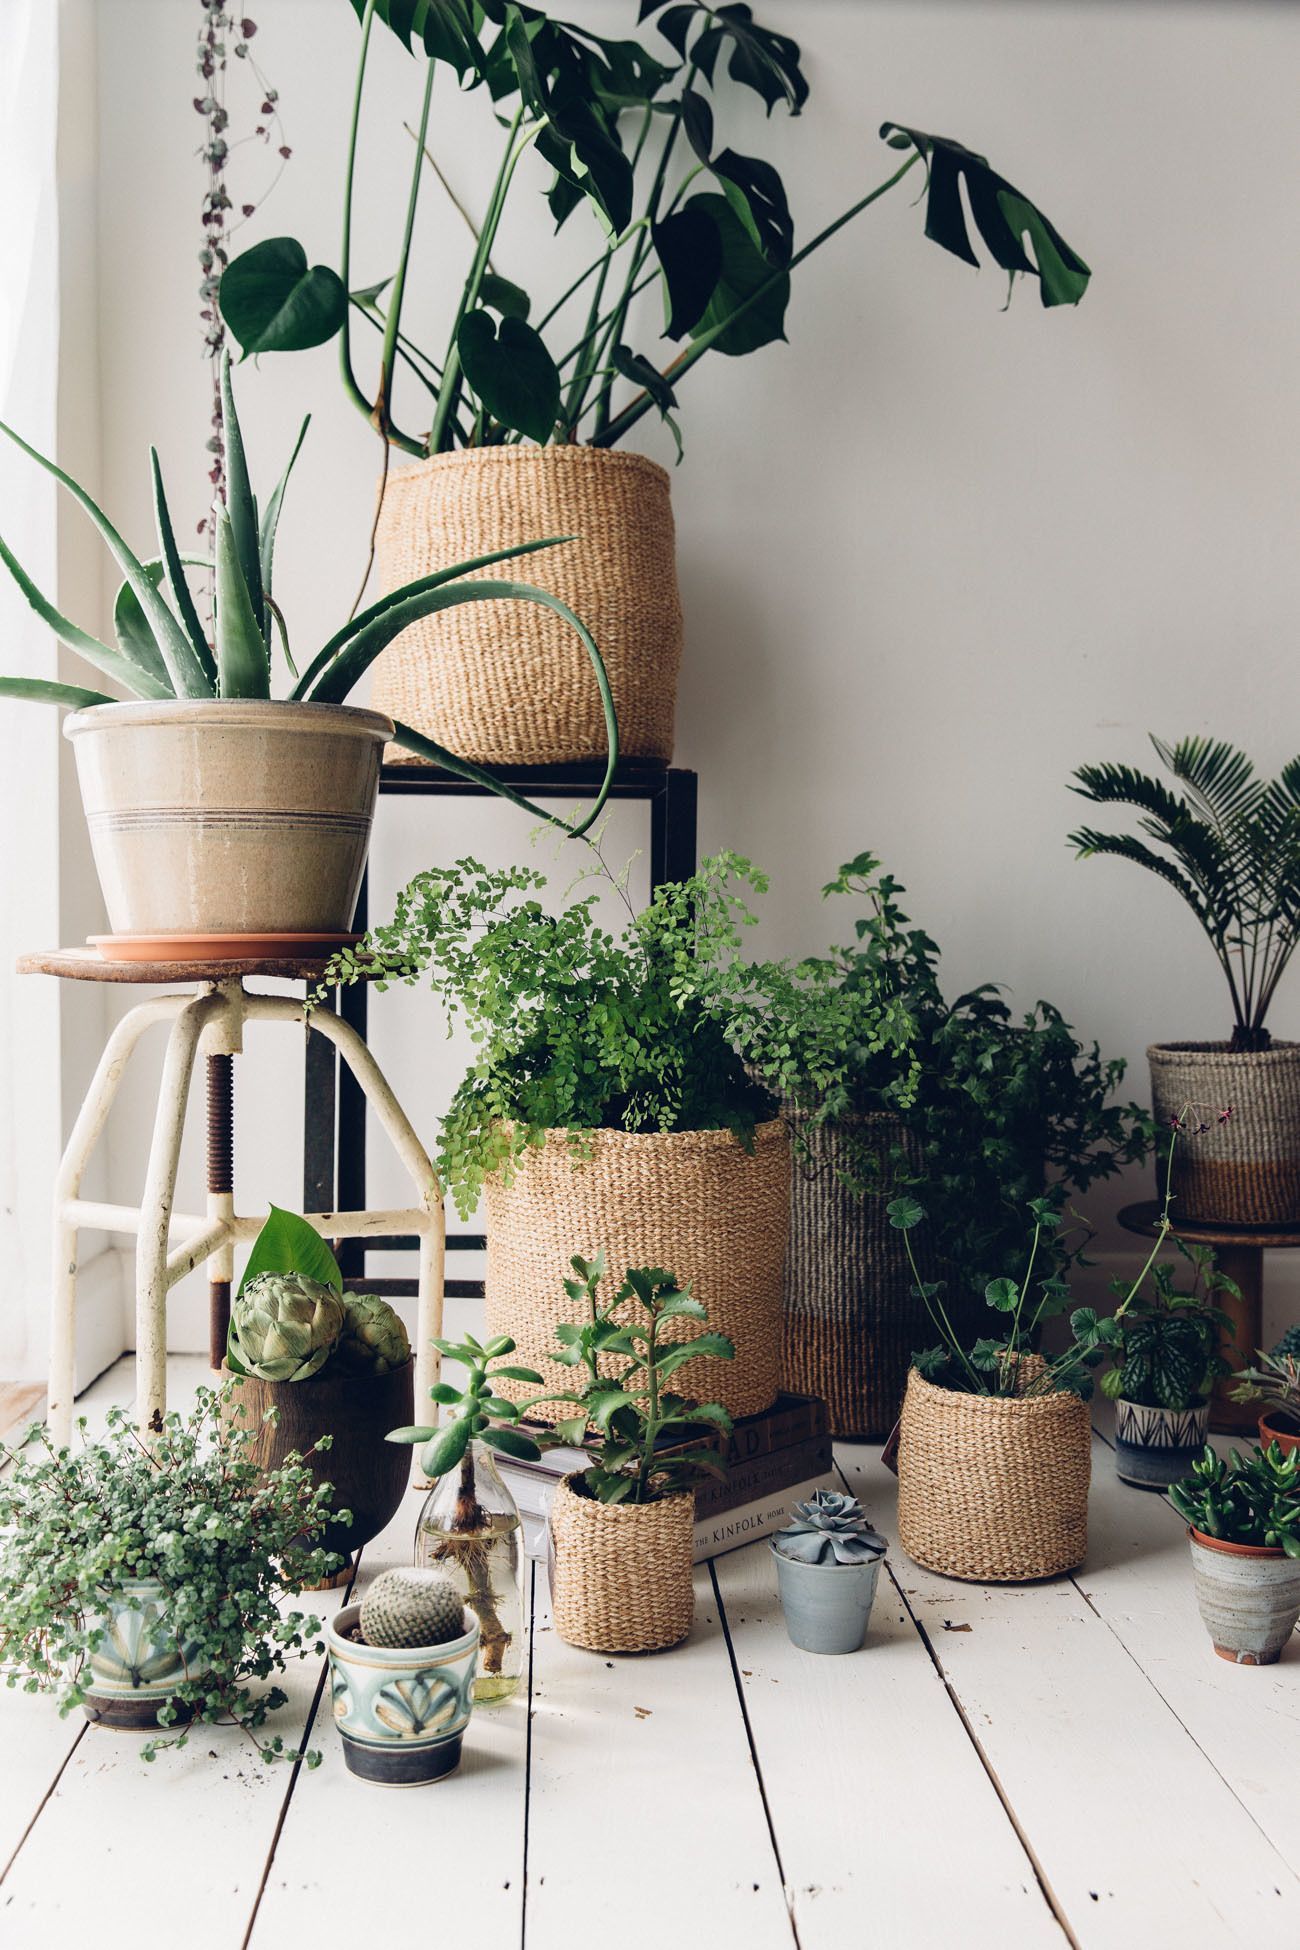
{"x": 240, "y": 505}
{"x": 184, "y": 670}
{"x": 243, "y": 666}
{"x": 325, "y": 656}
{"x": 170, "y": 558}
{"x": 271, "y": 516}
{"x": 114, "y": 663}
{"x": 135, "y": 639}
{"x": 38, "y": 691}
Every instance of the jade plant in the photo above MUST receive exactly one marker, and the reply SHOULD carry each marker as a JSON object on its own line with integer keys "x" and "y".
{"x": 190, "y": 1511}
{"x": 628, "y": 136}
{"x": 830, "y": 1528}
{"x": 1229, "y": 844}
{"x": 163, "y": 651}
{"x": 1252, "y": 1499}
{"x": 291, "y": 1317}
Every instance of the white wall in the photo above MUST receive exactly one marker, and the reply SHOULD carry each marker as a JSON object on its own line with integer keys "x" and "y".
{"x": 934, "y": 554}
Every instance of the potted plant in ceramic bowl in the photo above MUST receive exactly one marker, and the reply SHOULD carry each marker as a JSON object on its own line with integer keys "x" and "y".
{"x": 828, "y": 1561}
{"x": 519, "y": 417}
{"x": 610, "y": 1104}
{"x": 1275, "y": 1385}
{"x": 141, "y": 1582}
{"x": 1228, "y": 841}
{"x": 401, "y": 1678}
{"x": 309, "y": 1361}
{"x": 987, "y": 1112}
{"x": 994, "y": 1440}
{"x": 218, "y": 813}
{"x": 1243, "y": 1520}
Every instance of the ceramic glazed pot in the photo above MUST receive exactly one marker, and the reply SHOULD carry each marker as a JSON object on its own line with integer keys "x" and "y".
{"x": 827, "y": 1606}
{"x": 694, "y": 1201}
{"x": 509, "y": 683}
{"x": 402, "y": 1711}
{"x": 1278, "y": 1427}
{"x": 1155, "y": 1447}
{"x": 1245, "y": 1172}
{"x": 369, "y": 1475}
{"x": 1249, "y": 1598}
{"x": 622, "y": 1574}
{"x": 228, "y": 818}
{"x": 140, "y": 1664}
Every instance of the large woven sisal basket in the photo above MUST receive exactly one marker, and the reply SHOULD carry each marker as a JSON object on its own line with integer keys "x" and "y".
{"x": 1245, "y": 1172}
{"x": 993, "y": 1488}
{"x": 508, "y": 683}
{"x": 852, "y": 1320}
{"x": 622, "y": 1574}
{"x": 693, "y": 1202}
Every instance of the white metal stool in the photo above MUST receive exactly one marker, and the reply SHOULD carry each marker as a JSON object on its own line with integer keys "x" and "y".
{"x": 210, "y": 1023}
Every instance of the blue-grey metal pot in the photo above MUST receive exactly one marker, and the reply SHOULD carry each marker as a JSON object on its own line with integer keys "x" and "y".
{"x": 826, "y": 1606}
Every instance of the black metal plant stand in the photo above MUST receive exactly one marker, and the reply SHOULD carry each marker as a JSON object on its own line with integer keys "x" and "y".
{"x": 334, "y": 1135}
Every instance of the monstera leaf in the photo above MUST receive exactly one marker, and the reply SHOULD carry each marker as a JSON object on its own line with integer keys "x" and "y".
{"x": 755, "y": 57}
{"x": 512, "y": 372}
{"x": 274, "y": 301}
{"x": 445, "y": 29}
{"x": 745, "y": 274}
{"x": 1003, "y": 216}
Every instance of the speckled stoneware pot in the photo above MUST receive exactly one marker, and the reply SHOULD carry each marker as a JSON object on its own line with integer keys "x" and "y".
{"x": 139, "y": 1665}
{"x": 1249, "y": 1598}
{"x": 1155, "y": 1447}
{"x": 228, "y": 818}
{"x": 402, "y": 1711}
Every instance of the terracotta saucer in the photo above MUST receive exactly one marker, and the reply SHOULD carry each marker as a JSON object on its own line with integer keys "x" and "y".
{"x": 218, "y": 947}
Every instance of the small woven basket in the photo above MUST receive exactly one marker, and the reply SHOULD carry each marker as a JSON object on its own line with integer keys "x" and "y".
{"x": 852, "y": 1320}
{"x": 509, "y": 683}
{"x": 622, "y": 1574}
{"x": 1245, "y": 1172}
{"x": 694, "y": 1202}
{"x": 993, "y": 1488}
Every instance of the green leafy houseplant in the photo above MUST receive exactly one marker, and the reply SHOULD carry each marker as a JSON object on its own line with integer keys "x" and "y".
{"x": 1162, "y": 1344}
{"x": 1274, "y": 1382}
{"x": 631, "y": 137}
{"x": 163, "y": 651}
{"x": 1229, "y": 843}
{"x": 81, "y": 1527}
{"x": 291, "y": 1318}
{"x": 576, "y": 1029}
{"x": 1252, "y": 1499}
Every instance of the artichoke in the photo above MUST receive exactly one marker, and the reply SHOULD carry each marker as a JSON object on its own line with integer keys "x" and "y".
{"x": 284, "y": 1327}
{"x": 374, "y": 1339}
{"x": 830, "y": 1529}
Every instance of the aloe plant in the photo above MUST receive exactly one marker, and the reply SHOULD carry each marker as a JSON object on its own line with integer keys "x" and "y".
{"x": 163, "y": 652}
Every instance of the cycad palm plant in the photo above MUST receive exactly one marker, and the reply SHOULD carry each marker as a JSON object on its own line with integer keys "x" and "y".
{"x": 1230, "y": 845}
{"x": 163, "y": 652}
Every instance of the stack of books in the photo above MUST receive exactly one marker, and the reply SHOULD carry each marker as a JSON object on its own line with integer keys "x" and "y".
{"x": 774, "y": 1460}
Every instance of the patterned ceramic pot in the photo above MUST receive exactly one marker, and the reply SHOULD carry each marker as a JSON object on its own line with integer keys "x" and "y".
{"x": 228, "y": 818}
{"x": 1155, "y": 1447}
{"x": 402, "y": 1711}
{"x": 827, "y": 1607}
{"x": 140, "y": 1662}
{"x": 1249, "y": 1598}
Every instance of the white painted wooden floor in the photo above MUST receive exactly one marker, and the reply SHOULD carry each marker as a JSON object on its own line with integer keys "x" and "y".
{"x": 1062, "y": 1763}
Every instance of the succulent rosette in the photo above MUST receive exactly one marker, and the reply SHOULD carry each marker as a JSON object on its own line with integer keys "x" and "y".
{"x": 830, "y": 1528}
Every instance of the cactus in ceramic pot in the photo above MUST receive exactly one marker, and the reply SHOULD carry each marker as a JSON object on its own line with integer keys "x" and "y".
{"x": 284, "y": 1326}
{"x": 830, "y": 1528}
{"x": 407, "y": 1608}
{"x": 373, "y": 1340}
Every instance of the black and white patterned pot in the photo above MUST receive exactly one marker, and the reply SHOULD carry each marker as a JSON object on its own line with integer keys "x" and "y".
{"x": 1154, "y": 1447}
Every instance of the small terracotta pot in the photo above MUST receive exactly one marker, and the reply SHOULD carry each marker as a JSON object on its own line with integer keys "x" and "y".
{"x": 1248, "y": 1595}
{"x": 1286, "y": 1438}
{"x": 219, "y": 818}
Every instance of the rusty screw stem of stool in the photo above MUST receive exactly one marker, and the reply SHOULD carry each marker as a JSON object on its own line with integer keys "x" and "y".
{"x": 221, "y": 1180}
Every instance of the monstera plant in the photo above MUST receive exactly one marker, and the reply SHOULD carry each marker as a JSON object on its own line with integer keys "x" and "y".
{"x": 628, "y": 135}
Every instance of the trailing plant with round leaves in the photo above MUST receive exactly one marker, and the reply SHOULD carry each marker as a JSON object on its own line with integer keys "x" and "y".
{"x": 656, "y": 1030}
{"x": 190, "y": 1509}
{"x": 628, "y": 136}
{"x": 1252, "y": 1499}
{"x": 1230, "y": 845}
{"x": 163, "y": 650}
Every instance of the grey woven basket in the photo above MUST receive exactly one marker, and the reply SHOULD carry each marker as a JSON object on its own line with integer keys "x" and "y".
{"x": 1245, "y": 1171}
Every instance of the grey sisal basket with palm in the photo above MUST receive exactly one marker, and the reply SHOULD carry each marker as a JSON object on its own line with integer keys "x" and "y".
{"x": 1228, "y": 841}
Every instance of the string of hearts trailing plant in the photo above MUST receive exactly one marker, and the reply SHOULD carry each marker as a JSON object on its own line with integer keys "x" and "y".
{"x": 628, "y": 136}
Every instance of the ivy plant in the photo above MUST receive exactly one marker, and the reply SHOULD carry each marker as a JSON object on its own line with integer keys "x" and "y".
{"x": 632, "y": 139}
{"x": 191, "y": 1509}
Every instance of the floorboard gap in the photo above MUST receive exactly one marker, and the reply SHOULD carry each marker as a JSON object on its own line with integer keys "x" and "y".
{"x": 528, "y": 1749}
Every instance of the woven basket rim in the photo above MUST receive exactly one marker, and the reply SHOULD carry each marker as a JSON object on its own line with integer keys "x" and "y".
{"x": 618, "y": 1512}
{"x": 1023, "y": 1407}
{"x": 547, "y": 459}
{"x": 771, "y": 1131}
{"x": 1222, "y": 1053}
